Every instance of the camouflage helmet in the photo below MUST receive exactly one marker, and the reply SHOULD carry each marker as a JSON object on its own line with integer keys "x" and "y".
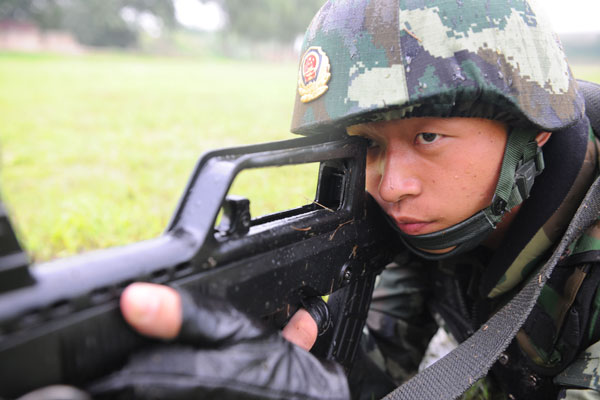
{"x": 376, "y": 60}
{"x": 370, "y": 60}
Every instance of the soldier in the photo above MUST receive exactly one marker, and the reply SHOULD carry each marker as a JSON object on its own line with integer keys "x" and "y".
{"x": 480, "y": 153}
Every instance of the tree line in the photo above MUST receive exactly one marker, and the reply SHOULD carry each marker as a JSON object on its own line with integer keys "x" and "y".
{"x": 116, "y": 23}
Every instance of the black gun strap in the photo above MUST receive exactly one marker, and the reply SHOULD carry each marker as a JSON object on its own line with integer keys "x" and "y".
{"x": 452, "y": 375}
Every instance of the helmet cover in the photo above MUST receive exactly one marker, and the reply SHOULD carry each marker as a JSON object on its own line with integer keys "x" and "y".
{"x": 372, "y": 60}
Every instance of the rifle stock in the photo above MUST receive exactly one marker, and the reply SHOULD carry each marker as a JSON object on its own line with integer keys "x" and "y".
{"x": 60, "y": 321}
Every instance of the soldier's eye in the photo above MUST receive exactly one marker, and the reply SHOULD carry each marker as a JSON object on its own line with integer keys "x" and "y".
{"x": 427, "y": 138}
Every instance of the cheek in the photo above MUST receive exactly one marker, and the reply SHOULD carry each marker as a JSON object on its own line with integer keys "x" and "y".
{"x": 477, "y": 185}
{"x": 475, "y": 182}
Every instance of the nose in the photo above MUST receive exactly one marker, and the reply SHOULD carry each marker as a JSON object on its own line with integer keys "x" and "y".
{"x": 397, "y": 177}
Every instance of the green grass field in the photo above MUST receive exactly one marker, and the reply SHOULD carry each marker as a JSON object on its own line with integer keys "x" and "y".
{"x": 96, "y": 149}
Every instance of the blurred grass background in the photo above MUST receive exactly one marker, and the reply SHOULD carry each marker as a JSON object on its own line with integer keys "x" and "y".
{"x": 96, "y": 149}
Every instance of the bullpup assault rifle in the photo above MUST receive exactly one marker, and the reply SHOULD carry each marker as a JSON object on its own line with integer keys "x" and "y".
{"x": 60, "y": 321}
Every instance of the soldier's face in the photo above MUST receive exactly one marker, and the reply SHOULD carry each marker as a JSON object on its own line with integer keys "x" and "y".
{"x": 431, "y": 173}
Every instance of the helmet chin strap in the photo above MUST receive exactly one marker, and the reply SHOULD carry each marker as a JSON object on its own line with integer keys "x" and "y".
{"x": 522, "y": 162}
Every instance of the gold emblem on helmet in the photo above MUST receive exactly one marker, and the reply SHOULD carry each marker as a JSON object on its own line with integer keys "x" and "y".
{"x": 314, "y": 74}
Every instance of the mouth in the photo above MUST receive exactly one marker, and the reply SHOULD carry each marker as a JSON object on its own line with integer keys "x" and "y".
{"x": 412, "y": 226}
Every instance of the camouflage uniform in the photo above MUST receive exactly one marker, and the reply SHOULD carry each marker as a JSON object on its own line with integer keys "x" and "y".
{"x": 386, "y": 59}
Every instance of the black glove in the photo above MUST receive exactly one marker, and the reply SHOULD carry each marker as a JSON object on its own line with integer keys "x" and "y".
{"x": 221, "y": 353}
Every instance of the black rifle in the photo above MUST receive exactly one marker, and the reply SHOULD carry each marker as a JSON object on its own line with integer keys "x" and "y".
{"x": 60, "y": 321}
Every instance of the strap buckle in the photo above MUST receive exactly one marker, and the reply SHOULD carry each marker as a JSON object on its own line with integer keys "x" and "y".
{"x": 526, "y": 173}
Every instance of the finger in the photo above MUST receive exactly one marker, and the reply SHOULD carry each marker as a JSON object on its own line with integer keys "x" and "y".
{"x": 56, "y": 392}
{"x": 301, "y": 330}
{"x": 153, "y": 310}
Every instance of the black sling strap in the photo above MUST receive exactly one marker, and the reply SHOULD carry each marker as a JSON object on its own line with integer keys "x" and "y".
{"x": 453, "y": 374}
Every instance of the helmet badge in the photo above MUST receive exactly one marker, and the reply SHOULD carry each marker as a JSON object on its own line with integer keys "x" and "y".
{"x": 314, "y": 74}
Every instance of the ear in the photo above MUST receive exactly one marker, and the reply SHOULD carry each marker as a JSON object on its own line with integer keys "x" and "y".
{"x": 542, "y": 138}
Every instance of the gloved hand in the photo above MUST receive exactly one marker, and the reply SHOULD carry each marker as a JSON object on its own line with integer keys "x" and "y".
{"x": 221, "y": 353}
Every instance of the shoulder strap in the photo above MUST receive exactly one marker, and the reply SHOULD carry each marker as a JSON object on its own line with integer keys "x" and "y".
{"x": 591, "y": 93}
